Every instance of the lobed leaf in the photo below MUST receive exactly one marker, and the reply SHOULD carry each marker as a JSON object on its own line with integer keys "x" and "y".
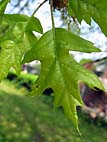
{"x": 87, "y": 9}
{"x": 16, "y": 38}
{"x": 60, "y": 71}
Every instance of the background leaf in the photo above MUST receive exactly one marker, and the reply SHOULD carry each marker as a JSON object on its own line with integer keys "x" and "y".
{"x": 3, "y": 4}
{"x": 87, "y": 9}
{"x": 16, "y": 38}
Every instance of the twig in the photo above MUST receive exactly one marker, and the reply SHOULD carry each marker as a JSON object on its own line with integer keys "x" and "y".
{"x": 39, "y": 7}
{"x": 102, "y": 60}
{"x": 52, "y": 17}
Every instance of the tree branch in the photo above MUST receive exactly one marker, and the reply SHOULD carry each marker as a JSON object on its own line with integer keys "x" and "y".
{"x": 39, "y": 7}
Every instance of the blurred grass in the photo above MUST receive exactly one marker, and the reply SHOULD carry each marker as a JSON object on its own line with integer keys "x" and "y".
{"x": 33, "y": 119}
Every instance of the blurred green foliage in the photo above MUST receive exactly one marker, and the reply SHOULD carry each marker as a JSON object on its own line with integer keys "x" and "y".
{"x": 32, "y": 119}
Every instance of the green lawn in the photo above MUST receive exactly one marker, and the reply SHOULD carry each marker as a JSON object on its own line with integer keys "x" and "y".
{"x": 33, "y": 119}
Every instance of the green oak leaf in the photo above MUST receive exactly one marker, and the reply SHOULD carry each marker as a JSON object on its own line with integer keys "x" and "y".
{"x": 87, "y": 9}
{"x": 60, "y": 71}
{"x": 16, "y": 38}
